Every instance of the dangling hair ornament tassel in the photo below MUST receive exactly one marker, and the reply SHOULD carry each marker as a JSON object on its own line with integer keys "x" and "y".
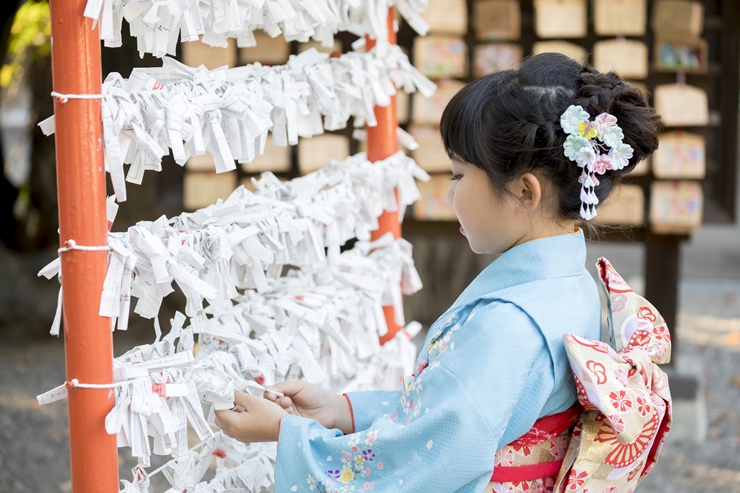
{"x": 596, "y": 147}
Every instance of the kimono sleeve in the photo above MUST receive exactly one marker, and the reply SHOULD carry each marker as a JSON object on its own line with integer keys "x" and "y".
{"x": 435, "y": 448}
{"x": 368, "y": 405}
{"x": 486, "y": 380}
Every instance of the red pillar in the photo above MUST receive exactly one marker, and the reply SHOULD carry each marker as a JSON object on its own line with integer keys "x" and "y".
{"x": 382, "y": 142}
{"x": 81, "y": 190}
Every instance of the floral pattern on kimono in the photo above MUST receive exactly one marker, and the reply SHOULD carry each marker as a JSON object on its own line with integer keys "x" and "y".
{"x": 486, "y": 374}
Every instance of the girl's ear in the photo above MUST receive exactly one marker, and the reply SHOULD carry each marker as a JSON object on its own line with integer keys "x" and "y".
{"x": 528, "y": 190}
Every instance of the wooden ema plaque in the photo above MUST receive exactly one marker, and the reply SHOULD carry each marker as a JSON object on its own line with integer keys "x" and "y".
{"x": 626, "y": 57}
{"x": 203, "y": 189}
{"x": 497, "y": 20}
{"x": 571, "y": 50}
{"x": 495, "y": 57}
{"x": 624, "y": 207}
{"x": 680, "y": 155}
{"x": 678, "y": 16}
{"x": 675, "y": 206}
{"x": 267, "y": 51}
{"x": 316, "y": 152}
{"x": 274, "y": 158}
{"x": 620, "y": 17}
{"x": 430, "y": 155}
{"x": 429, "y": 110}
{"x": 680, "y": 105}
{"x": 447, "y": 17}
{"x": 441, "y": 56}
{"x": 679, "y": 53}
{"x": 195, "y": 54}
{"x": 433, "y": 204}
{"x": 560, "y": 18}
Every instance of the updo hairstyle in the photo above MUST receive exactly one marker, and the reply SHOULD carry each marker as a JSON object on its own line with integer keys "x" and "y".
{"x": 508, "y": 124}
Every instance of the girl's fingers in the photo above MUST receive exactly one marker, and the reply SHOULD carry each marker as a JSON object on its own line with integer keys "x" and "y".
{"x": 226, "y": 420}
{"x": 243, "y": 399}
{"x": 289, "y": 388}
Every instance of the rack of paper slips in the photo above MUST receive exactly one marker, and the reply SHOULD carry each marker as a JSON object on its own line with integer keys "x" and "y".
{"x": 271, "y": 294}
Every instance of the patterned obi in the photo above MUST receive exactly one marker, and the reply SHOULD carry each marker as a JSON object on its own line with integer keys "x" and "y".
{"x": 531, "y": 463}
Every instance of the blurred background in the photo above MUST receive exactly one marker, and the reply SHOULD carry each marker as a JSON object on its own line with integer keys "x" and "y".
{"x": 671, "y": 230}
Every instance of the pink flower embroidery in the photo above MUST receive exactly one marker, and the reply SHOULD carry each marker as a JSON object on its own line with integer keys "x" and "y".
{"x": 621, "y": 377}
{"x": 643, "y": 407}
{"x": 558, "y": 445}
{"x": 661, "y": 333}
{"x": 380, "y": 465}
{"x": 617, "y": 424}
{"x": 576, "y": 479}
{"x": 620, "y": 401}
{"x": 503, "y": 457}
{"x": 367, "y": 487}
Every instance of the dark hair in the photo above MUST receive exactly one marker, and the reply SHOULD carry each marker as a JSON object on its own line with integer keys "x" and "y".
{"x": 508, "y": 123}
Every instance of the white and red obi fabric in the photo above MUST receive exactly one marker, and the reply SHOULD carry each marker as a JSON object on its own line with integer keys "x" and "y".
{"x": 625, "y": 395}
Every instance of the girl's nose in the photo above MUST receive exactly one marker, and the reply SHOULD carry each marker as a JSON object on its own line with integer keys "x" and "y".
{"x": 451, "y": 193}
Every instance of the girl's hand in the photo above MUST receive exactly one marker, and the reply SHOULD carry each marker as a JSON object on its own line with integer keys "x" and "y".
{"x": 260, "y": 421}
{"x": 311, "y": 401}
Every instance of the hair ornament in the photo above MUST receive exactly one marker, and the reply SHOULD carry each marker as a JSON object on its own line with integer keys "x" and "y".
{"x": 596, "y": 146}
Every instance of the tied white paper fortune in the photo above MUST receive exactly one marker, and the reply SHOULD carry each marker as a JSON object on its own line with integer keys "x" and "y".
{"x": 228, "y": 112}
{"x": 156, "y": 24}
{"x": 283, "y": 303}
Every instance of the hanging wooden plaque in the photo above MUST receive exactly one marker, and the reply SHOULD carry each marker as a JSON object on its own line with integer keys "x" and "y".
{"x": 337, "y": 46}
{"x": 441, "y": 56}
{"x": 495, "y": 57}
{"x": 429, "y": 109}
{"x": 680, "y": 105}
{"x": 274, "y": 158}
{"x": 626, "y": 57}
{"x": 620, "y": 17}
{"x": 572, "y": 50}
{"x": 624, "y": 207}
{"x": 433, "y": 204}
{"x": 677, "y": 53}
{"x": 195, "y": 54}
{"x": 678, "y": 16}
{"x": 430, "y": 155}
{"x": 204, "y": 189}
{"x": 560, "y": 18}
{"x": 447, "y": 16}
{"x": 316, "y": 152}
{"x": 680, "y": 155}
{"x": 495, "y": 20}
{"x": 268, "y": 51}
{"x": 675, "y": 206}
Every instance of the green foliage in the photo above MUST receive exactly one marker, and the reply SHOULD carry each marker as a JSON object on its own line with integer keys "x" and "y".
{"x": 30, "y": 38}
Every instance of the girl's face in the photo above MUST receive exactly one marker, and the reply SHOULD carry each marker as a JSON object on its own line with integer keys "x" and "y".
{"x": 492, "y": 221}
{"x": 486, "y": 216}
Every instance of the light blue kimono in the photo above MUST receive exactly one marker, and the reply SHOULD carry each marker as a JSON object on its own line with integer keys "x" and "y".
{"x": 492, "y": 365}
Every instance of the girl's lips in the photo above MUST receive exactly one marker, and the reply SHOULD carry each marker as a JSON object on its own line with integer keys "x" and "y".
{"x": 462, "y": 230}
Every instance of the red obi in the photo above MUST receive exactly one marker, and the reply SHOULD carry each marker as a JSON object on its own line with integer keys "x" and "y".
{"x": 537, "y": 455}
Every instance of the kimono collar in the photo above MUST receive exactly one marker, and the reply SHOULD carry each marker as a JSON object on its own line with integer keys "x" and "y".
{"x": 554, "y": 256}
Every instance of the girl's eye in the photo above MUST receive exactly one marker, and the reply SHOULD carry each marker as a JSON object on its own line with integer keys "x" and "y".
{"x": 456, "y": 177}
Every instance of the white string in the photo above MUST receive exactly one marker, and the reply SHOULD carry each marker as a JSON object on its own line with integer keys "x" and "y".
{"x": 72, "y": 245}
{"x": 67, "y": 97}
{"x": 75, "y": 384}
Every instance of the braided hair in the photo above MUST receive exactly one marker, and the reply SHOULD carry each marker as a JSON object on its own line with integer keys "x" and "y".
{"x": 508, "y": 124}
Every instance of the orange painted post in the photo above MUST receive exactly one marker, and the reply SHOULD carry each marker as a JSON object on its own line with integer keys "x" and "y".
{"x": 382, "y": 142}
{"x": 88, "y": 342}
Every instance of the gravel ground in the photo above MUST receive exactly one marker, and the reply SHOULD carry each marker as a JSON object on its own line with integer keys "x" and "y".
{"x": 34, "y": 440}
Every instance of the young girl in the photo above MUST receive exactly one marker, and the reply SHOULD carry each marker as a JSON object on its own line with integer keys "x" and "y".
{"x": 533, "y": 151}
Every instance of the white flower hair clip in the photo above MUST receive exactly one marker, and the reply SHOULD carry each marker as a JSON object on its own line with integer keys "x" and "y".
{"x": 587, "y": 144}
